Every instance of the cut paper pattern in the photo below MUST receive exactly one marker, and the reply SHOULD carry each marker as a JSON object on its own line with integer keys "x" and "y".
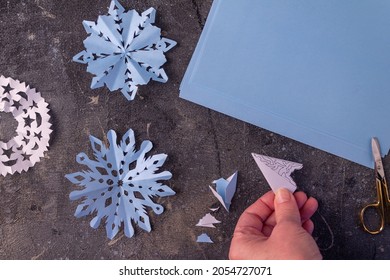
{"x": 120, "y": 184}
{"x": 208, "y": 221}
{"x": 204, "y": 238}
{"x": 124, "y": 50}
{"x": 225, "y": 189}
{"x": 277, "y": 172}
{"x": 33, "y": 129}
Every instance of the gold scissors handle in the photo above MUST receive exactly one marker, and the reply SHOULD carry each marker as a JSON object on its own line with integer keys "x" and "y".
{"x": 382, "y": 205}
{"x": 379, "y": 206}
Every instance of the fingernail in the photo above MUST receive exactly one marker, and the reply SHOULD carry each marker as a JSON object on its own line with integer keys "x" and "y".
{"x": 283, "y": 195}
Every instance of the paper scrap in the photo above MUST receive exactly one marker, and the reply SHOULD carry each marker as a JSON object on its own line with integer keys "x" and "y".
{"x": 33, "y": 130}
{"x": 208, "y": 221}
{"x": 277, "y": 172}
{"x": 225, "y": 190}
{"x": 204, "y": 238}
{"x": 124, "y": 50}
{"x": 120, "y": 184}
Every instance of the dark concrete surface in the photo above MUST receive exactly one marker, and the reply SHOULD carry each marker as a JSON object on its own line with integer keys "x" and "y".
{"x": 38, "y": 39}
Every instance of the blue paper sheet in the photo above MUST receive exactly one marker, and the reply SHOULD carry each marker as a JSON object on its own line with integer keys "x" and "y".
{"x": 315, "y": 71}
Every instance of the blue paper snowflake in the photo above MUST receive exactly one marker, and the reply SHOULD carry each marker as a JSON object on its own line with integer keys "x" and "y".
{"x": 120, "y": 184}
{"x": 124, "y": 50}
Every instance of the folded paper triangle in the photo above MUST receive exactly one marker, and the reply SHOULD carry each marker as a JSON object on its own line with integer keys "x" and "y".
{"x": 277, "y": 172}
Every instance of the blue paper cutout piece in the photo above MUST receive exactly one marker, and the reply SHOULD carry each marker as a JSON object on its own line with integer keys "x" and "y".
{"x": 124, "y": 50}
{"x": 204, "y": 238}
{"x": 120, "y": 184}
{"x": 225, "y": 190}
{"x": 208, "y": 220}
{"x": 314, "y": 71}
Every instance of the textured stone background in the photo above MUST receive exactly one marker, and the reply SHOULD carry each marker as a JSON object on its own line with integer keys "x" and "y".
{"x": 38, "y": 39}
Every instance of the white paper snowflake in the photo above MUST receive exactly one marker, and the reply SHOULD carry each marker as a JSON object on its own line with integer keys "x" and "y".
{"x": 124, "y": 50}
{"x": 120, "y": 184}
{"x": 33, "y": 131}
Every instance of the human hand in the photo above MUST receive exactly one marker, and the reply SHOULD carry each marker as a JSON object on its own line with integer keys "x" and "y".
{"x": 276, "y": 227}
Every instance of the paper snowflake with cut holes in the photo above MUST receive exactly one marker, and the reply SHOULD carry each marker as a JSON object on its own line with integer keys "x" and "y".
{"x": 124, "y": 50}
{"x": 120, "y": 184}
{"x": 33, "y": 130}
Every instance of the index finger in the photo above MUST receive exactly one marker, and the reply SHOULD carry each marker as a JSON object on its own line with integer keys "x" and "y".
{"x": 252, "y": 219}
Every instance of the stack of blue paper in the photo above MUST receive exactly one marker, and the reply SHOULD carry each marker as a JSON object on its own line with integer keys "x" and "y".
{"x": 315, "y": 71}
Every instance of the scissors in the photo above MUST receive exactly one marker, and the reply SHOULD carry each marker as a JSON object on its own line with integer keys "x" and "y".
{"x": 382, "y": 205}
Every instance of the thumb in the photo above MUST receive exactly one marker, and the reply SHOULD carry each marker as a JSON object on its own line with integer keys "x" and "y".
{"x": 286, "y": 208}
